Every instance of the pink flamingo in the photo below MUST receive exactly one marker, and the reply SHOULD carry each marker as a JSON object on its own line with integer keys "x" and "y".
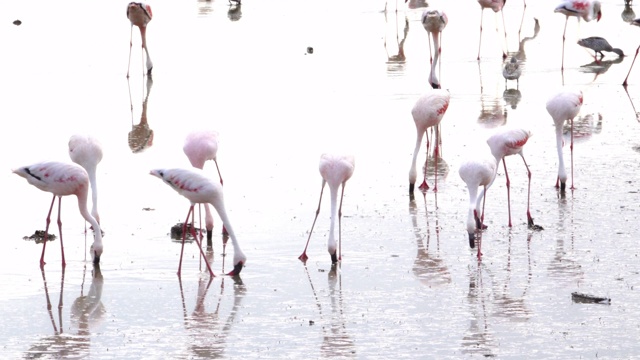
{"x": 335, "y": 170}
{"x": 635, "y": 22}
{"x": 495, "y": 5}
{"x": 62, "y": 179}
{"x": 427, "y": 112}
{"x": 476, "y": 172}
{"x": 434, "y": 21}
{"x": 199, "y": 189}
{"x": 563, "y": 106}
{"x": 507, "y": 141}
{"x": 200, "y": 146}
{"x": 86, "y": 151}
{"x": 585, "y": 9}
{"x": 139, "y": 14}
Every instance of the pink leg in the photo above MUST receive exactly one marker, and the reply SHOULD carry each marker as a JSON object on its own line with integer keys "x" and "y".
{"x": 60, "y": 231}
{"x": 130, "y": 45}
{"x": 340, "y": 224}
{"x": 46, "y": 232}
{"x": 436, "y": 154}
{"x": 571, "y": 148}
{"x": 634, "y": 60}
{"x": 529, "y": 218}
{"x": 424, "y": 185}
{"x": 563, "y": 38}
{"x": 484, "y": 199}
{"x": 508, "y": 190}
{"x": 304, "y": 256}
{"x": 504, "y": 28}
{"x": 184, "y": 235}
{"x": 480, "y": 42}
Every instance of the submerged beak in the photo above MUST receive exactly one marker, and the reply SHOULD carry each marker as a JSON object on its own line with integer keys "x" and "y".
{"x": 472, "y": 240}
{"x": 236, "y": 269}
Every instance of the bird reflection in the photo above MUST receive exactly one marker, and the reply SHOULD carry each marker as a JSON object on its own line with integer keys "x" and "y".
{"x": 428, "y": 267}
{"x": 85, "y": 311}
{"x": 562, "y": 267}
{"x": 584, "y": 127}
{"x": 599, "y": 67}
{"x": 204, "y": 7}
{"x": 235, "y": 11}
{"x": 479, "y": 339}
{"x": 396, "y": 59}
{"x": 336, "y": 340}
{"x": 637, "y": 114}
{"x": 512, "y": 97}
{"x": 628, "y": 15}
{"x": 416, "y": 4}
{"x": 141, "y": 135}
{"x": 207, "y": 330}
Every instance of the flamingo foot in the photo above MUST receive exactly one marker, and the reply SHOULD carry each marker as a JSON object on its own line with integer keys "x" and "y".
{"x": 236, "y": 269}
{"x": 303, "y": 257}
{"x": 224, "y": 231}
{"x": 424, "y": 186}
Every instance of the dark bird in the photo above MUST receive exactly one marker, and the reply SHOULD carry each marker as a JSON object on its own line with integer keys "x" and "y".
{"x": 599, "y": 45}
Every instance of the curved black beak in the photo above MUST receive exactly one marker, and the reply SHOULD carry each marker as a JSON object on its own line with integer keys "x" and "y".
{"x": 472, "y": 240}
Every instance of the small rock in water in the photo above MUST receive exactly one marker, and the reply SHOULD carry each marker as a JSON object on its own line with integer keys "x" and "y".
{"x": 176, "y": 231}
{"x": 589, "y": 299}
{"x": 38, "y": 236}
{"x": 17, "y": 22}
{"x": 309, "y": 50}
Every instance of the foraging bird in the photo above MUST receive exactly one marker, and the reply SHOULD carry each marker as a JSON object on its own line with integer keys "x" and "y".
{"x": 200, "y": 189}
{"x": 86, "y": 151}
{"x": 563, "y": 106}
{"x": 599, "y": 45}
{"x": 427, "y": 112}
{"x": 512, "y": 71}
{"x": 496, "y": 6}
{"x": 62, "y": 179}
{"x": 479, "y": 171}
{"x": 140, "y": 15}
{"x": 434, "y": 21}
{"x": 335, "y": 170}
{"x": 507, "y": 141}
{"x": 585, "y": 9}
{"x": 200, "y": 146}
{"x": 635, "y": 22}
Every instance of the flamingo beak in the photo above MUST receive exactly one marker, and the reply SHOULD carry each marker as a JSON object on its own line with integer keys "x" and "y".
{"x": 599, "y": 15}
{"x": 472, "y": 240}
{"x": 96, "y": 259}
{"x": 236, "y": 269}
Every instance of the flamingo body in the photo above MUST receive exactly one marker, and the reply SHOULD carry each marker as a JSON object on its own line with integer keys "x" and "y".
{"x": 564, "y": 106}
{"x": 63, "y": 179}
{"x": 496, "y": 6}
{"x": 86, "y": 151}
{"x": 200, "y": 189}
{"x": 427, "y": 112}
{"x": 140, "y": 14}
{"x": 335, "y": 171}
{"x": 434, "y": 21}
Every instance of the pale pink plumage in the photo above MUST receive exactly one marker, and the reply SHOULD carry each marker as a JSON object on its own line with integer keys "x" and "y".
{"x": 564, "y": 106}
{"x": 581, "y": 9}
{"x": 86, "y": 151}
{"x": 140, "y": 15}
{"x": 434, "y": 21}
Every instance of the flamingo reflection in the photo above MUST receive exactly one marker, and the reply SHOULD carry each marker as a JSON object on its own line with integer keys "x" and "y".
{"x": 628, "y": 15}
{"x": 492, "y": 112}
{"x": 235, "y": 11}
{"x": 637, "y": 114}
{"x": 396, "y": 59}
{"x": 479, "y": 339}
{"x": 336, "y": 340}
{"x": 208, "y": 331}
{"x": 563, "y": 267}
{"x": 141, "y": 135}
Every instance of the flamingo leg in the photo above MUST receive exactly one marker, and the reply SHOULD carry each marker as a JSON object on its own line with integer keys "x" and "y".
{"x": 340, "y": 224}
{"x": 46, "y": 232}
{"x": 60, "y": 230}
{"x": 484, "y": 199}
{"x": 506, "y": 43}
{"x": 130, "y": 45}
{"x": 529, "y": 218}
{"x": 184, "y": 235}
{"x": 570, "y": 148}
{"x": 506, "y": 175}
{"x": 563, "y": 39}
{"x": 629, "y": 73}
{"x": 46, "y": 293}
{"x": 424, "y": 185}
{"x": 480, "y": 42}
{"x": 304, "y": 256}
{"x": 143, "y": 35}
{"x": 429, "y": 35}
{"x": 436, "y": 154}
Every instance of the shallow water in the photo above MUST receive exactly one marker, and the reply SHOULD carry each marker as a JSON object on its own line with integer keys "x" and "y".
{"x": 408, "y": 285}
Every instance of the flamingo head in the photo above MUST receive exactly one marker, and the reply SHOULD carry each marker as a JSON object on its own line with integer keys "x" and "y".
{"x": 96, "y": 253}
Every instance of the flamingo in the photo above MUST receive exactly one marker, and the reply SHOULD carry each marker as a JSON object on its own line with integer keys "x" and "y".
{"x": 585, "y": 9}
{"x": 200, "y": 146}
{"x": 478, "y": 171}
{"x": 507, "y": 141}
{"x": 598, "y": 45}
{"x": 86, "y": 151}
{"x": 563, "y": 106}
{"x": 434, "y": 21}
{"x": 495, "y": 5}
{"x": 637, "y": 23}
{"x": 335, "y": 170}
{"x": 427, "y": 112}
{"x": 511, "y": 70}
{"x": 139, "y": 14}
{"x": 62, "y": 179}
{"x": 199, "y": 189}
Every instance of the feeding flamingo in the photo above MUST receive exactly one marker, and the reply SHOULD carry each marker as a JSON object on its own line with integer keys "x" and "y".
{"x": 585, "y": 9}
{"x": 335, "y": 170}
{"x": 140, "y": 15}
{"x": 496, "y": 6}
{"x": 434, "y": 21}
{"x": 563, "y": 106}
{"x": 62, "y": 179}
{"x": 200, "y": 146}
{"x": 86, "y": 151}
{"x": 478, "y": 171}
{"x": 427, "y": 112}
{"x": 200, "y": 189}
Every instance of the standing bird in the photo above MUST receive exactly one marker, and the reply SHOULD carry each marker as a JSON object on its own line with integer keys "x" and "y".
{"x": 427, "y": 112}
{"x": 599, "y": 45}
{"x": 507, "y": 141}
{"x": 139, "y": 14}
{"x": 335, "y": 170}
{"x": 479, "y": 171}
{"x": 200, "y": 189}
{"x": 86, "y": 151}
{"x": 495, "y": 5}
{"x": 434, "y": 21}
{"x": 512, "y": 71}
{"x": 635, "y": 22}
{"x": 585, "y": 9}
{"x": 563, "y": 106}
{"x": 200, "y": 146}
{"x": 62, "y": 179}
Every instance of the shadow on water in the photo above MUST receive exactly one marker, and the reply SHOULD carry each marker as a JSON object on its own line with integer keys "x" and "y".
{"x": 428, "y": 266}
{"x": 141, "y": 135}
{"x": 209, "y": 332}
{"x": 86, "y": 310}
{"x": 336, "y": 340}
